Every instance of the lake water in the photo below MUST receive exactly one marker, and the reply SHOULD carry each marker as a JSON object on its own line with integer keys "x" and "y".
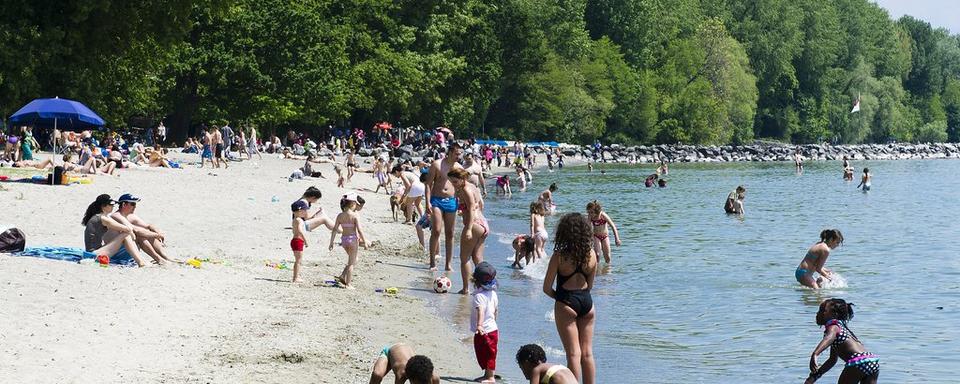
{"x": 695, "y": 295}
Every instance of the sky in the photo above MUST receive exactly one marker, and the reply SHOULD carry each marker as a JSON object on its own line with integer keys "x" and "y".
{"x": 939, "y": 13}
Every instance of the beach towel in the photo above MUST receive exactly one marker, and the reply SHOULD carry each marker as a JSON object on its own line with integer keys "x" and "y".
{"x": 72, "y": 254}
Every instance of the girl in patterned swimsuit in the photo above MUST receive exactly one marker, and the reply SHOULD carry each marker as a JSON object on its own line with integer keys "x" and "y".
{"x": 862, "y": 367}
{"x": 600, "y": 220}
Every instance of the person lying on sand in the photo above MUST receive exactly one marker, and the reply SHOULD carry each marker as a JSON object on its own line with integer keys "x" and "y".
{"x": 400, "y": 360}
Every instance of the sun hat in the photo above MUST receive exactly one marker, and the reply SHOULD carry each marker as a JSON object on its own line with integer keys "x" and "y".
{"x": 485, "y": 273}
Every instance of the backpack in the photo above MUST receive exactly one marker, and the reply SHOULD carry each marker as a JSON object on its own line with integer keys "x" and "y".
{"x": 12, "y": 240}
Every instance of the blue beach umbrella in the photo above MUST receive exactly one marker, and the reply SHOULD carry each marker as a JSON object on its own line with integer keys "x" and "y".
{"x": 57, "y": 113}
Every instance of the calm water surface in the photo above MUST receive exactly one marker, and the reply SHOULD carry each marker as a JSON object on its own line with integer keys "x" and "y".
{"x": 695, "y": 295}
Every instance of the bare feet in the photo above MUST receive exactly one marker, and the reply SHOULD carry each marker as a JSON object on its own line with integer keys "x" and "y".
{"x": 463, "y": 291}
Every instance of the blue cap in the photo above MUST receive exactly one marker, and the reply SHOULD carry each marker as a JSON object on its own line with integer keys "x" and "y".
{"x": 128, "y": 198}
{"x": 298, "y": 205}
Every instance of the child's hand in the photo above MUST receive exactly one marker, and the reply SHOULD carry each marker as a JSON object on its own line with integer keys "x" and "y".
{"x": 617, "y": 242}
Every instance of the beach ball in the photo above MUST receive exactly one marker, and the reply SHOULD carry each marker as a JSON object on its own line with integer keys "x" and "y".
{"x": 442, "y": 284}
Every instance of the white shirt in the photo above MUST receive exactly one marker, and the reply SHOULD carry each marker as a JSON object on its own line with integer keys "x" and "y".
{"x": 488, "y": 301}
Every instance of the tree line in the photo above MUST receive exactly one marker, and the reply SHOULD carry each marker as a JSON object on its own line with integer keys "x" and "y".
{"x": 628, "y": 71}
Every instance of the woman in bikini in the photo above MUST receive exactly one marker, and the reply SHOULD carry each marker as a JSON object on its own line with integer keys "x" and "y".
{"x": 538, "y": 229}
{"x": 351, "y": 238}
{"x": 475, "y": 227}
{"x": 816, "y": 258}
{"x": 599, "y": 220}
{"x": 574, "y": 265}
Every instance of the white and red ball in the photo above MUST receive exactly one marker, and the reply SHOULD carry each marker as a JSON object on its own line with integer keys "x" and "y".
{"x": 442, "y": 284}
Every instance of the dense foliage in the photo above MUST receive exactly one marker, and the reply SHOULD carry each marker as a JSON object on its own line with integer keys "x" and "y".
{"x": 631, "y": 71}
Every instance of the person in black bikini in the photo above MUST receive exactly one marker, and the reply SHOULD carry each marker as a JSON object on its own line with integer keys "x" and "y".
{"x": 574, "y": 265}
{"x": 862, "y": 367}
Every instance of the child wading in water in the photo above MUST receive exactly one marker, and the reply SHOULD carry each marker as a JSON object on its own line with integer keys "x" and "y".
{"x": 865, "y": 180}
{"x": 533, "y": 362}
{"x": 816, "y": 258}
{"x": 483, "y": 320}
{"x": 351, "y": 238}
{"x": 862, "y": 367}
{"x": 299, "y": 240}
{"x": 523, "y": 248}
{"x": 600, "y": 220}
{"x": 538, "y": 229}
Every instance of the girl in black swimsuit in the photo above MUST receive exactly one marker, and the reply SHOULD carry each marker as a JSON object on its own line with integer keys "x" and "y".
{"x": 574, "y": 265}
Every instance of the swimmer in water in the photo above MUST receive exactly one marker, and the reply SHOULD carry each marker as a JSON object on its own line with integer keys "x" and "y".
{"x": 533, "y": 363}
{"x": 599, "y": 219}
{"x": 865, "y": 180}
{"x": 847, "y": 170}
{"x": 521, "y": 179}
{"x": 798, "y": 160}
{"x": 861, "y": 366}
{"x": 816, "y": 258}
{"x": 648, "y": 182}
{"x": 538, "y": 229}
{"x": 662, "y": 183}
{"x": 589, "y": 167}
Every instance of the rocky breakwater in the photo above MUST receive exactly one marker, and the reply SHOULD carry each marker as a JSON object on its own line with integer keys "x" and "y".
{"x": 764, "y": 152}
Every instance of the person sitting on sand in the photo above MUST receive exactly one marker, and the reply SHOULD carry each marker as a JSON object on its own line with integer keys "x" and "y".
{"x": 97, "y": 222}
{"x": 523, "y": 248}
{"x": 861, "y": 366}
{"x": 532, "y": 360}
{"x": 546, "y": 198}
{"x": 816, "y": 259}
{"x": 149, "y": 238}
{"x": 158, "y": 159}
{"x": 400, "y": 360}
{"x": 734, "y": 202}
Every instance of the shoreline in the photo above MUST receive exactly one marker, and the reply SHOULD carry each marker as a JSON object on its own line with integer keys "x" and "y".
{"x": 237, "y": 320}
{"x": 766, "y": 152}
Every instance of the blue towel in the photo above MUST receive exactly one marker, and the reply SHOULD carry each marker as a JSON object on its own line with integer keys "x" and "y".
{"x": 73, "y": 254}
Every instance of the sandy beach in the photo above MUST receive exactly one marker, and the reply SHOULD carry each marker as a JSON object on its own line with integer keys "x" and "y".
{"x": 232, "y": 320}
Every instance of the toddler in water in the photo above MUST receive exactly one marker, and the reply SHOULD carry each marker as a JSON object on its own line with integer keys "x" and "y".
{"x": 538, "y": 229}
{"x": 483, "y": 320}
{"x": 299, "y": 240}
{"x": 816, "y": 258}
{"x": 862, "y": 367}
{"x": 351, "y": 238}
{"x": 533, "y": 362}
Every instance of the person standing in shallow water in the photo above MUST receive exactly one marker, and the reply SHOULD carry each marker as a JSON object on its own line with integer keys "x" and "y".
{"x": 816, "y": 259}
{"x": 734, "y": 202}
{"x": 442, "y": 205}
{"x": 861, "y": 366}
{"x": 573, "y": 266}
{"x": 865, "y": 180}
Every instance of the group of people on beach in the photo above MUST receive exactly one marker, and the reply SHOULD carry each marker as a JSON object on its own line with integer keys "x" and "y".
{"x": 122, "y": 234}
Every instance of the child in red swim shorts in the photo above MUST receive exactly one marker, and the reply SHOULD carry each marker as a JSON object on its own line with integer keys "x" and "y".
{"x": 299, "y": 240}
